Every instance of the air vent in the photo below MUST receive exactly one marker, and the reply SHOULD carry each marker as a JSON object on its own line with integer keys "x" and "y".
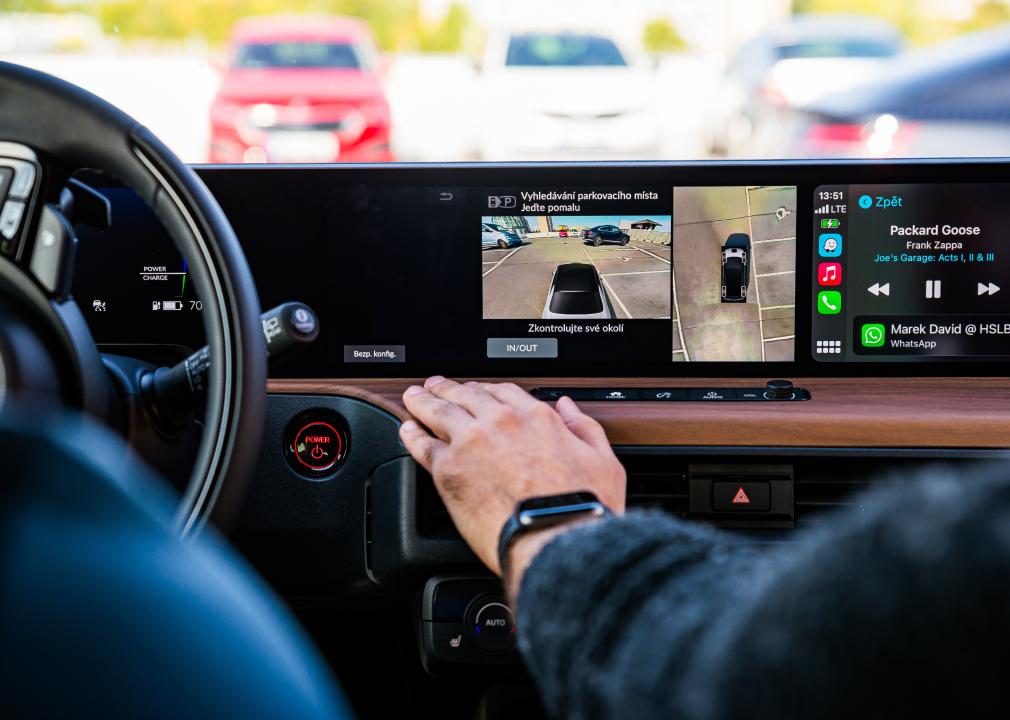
{"x": 823, "y": 490}
{"x": 656, "y": 482}
{"x": 433, "y": 520}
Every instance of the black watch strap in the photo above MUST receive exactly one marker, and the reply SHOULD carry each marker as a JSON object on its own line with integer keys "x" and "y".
{"x": 540, "y": 512}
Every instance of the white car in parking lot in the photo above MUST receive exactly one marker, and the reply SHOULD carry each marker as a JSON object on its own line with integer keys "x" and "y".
{"x": 496, "y": 236}
{"x": 552, "y": 94}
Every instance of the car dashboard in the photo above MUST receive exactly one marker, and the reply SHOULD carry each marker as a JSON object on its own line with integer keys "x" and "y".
{"x": 866, "y": 338}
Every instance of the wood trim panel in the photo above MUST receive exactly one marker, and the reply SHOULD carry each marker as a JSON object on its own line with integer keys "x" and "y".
{"x": 843, "y": 412}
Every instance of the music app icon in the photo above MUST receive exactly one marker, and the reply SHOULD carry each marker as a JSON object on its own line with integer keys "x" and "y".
{"x": 829, "y": 273}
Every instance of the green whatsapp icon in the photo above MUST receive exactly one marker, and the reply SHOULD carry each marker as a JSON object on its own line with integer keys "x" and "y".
{"x": 873, "y": 335}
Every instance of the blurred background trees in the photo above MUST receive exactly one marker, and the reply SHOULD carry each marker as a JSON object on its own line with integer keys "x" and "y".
{"x": 398, "y": 24}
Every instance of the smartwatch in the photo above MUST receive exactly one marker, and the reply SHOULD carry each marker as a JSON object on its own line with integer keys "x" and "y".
{"x": 541, "y": 512}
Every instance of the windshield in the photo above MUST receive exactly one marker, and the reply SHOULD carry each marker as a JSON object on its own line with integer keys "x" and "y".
{"x": 562, "y": 51}
{"x": 839, "y": 48}
{"x": 377, "y": 81}
{"x": 297, "y": 54}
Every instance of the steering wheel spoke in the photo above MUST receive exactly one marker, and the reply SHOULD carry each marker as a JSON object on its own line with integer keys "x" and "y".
{"x": 20, "y": 177}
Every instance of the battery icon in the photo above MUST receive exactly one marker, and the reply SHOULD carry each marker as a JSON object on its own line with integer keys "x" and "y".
{"x": 830, "y": 223}
{"x": 171, "y": 304}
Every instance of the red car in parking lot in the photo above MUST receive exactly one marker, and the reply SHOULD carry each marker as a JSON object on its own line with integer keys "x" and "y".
{"x": 303, "y": 89}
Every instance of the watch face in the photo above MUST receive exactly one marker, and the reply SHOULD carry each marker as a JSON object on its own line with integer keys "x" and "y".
{"x": 554, "y": 501}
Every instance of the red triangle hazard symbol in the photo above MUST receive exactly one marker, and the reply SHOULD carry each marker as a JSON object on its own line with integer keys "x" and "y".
{"x": 741, "y": 497}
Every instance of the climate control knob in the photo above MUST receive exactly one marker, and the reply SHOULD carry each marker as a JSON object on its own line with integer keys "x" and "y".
{"x": 491, "y": 623}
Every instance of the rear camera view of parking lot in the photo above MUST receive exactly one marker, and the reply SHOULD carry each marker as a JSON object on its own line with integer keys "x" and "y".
{"x": 577, "y": 267}
{"x": 734, "y": 273}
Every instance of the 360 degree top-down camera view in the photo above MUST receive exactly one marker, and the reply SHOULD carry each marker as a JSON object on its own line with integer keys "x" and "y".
{"x": 720, "y": 432}
{"x": 734, "y": 270}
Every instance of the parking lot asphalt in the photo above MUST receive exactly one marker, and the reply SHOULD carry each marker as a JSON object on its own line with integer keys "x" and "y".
{"x": 705, "y": 328}
{"x": 516, "y": 281}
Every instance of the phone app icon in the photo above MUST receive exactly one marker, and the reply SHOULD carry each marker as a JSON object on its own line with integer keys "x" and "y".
{"x": 829, "y": 273}
{"x": 873, "y": 335}
{"x": 829, "y": 302}
{"x": 830, "y": 244}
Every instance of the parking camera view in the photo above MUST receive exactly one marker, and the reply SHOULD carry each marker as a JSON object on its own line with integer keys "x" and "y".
{"x": 734, "y": 273}
{"x": 588, "y": 267}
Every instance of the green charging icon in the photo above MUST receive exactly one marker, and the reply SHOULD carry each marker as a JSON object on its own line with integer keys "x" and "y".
{"x": 873, "y": 335}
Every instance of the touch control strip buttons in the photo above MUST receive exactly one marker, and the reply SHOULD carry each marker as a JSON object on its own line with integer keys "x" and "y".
{"x": 774, "y": 391}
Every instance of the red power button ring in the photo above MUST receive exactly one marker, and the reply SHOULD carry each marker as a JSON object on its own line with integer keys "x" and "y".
{"x": 318, "y": 446}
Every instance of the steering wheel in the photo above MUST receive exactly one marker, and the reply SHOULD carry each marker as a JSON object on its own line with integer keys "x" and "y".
{"x": 50, "y": 129}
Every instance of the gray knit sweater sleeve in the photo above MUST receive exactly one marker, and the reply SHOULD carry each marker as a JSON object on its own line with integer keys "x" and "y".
{"x": 899, "y": 607}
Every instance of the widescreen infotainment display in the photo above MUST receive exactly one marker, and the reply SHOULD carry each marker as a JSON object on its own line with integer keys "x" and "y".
{"x": 767, "y": 269}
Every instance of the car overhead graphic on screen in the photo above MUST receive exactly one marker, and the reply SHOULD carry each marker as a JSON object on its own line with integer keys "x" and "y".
{"x": 735, "y": 268}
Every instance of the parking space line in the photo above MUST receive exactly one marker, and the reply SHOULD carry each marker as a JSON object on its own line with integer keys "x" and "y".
{"x": 676, "y": 306}
{"x": 746, "y": 217}
{"x": 653, "y": 255}
{"x": 783, "y": 337}
{"x": 638, "y": 272}
{"x": 604, "y": 280}
{"x": 757, "y": 283}
{"x": 784, "y": 272}
{"x": 767, "y": 240}
{"x": 777, "y": 307}
{"x": 617, "y": 298}
{"x": 501, "y": 261}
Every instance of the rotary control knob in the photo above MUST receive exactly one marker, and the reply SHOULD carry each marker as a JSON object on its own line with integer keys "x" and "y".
{"x": 779, "y": 390}
{"x": 491, "y": 624}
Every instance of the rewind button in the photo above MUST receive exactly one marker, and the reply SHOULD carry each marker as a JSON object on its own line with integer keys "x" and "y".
{"x": 876, "y": 289}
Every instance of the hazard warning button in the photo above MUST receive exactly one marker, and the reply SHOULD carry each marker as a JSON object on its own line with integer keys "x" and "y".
{"x": 748, "y": 496}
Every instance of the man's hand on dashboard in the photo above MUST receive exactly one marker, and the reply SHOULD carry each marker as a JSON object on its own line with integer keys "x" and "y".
{"x": 489, "y": 446}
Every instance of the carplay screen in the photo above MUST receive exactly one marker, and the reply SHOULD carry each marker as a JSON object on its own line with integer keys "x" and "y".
{"x": 652, "y": 270}
{"x": 911, "y": 272}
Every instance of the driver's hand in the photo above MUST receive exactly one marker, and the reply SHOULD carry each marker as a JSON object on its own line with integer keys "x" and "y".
{"x": 488, "y": 446}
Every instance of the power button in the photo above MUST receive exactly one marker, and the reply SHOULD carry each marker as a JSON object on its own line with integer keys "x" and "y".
{"x": 315, "y": 445}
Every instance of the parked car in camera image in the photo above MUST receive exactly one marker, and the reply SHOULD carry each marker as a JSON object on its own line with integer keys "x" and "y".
{"x": 577, "y": 292}
{"x": 735, "y": 268}
{"x": 605, "y": 234}
{"x": 300, "y": 90}
{"x": 493, "y": 235}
